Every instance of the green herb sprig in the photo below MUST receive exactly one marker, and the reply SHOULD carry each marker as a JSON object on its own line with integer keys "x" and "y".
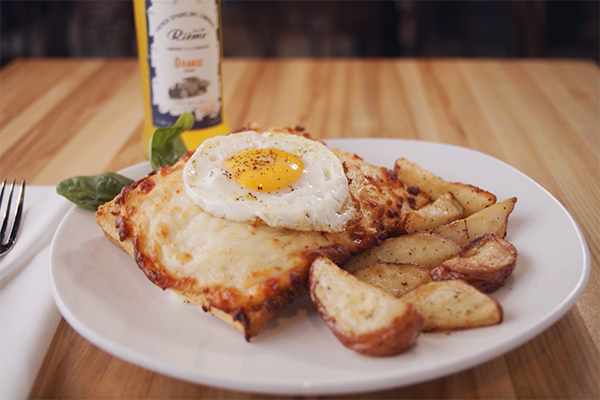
{"x": 92, "y": 191}
{"x": 165, "y": 148}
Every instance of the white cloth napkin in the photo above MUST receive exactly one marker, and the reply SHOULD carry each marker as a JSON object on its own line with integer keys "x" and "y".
{"x": 28, "y": 316}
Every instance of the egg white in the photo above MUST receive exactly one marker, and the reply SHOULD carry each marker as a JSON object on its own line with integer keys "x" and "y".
{"x": 319, "y": 200}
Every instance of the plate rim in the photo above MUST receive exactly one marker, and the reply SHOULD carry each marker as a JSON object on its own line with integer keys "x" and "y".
{"x": 330, "y": 387}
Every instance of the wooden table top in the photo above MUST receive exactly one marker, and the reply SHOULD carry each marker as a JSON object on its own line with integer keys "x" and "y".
{"x": 61, "y": 118}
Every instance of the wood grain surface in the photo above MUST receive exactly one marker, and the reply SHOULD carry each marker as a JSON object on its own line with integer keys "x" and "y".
{"x": 61, "y": 118}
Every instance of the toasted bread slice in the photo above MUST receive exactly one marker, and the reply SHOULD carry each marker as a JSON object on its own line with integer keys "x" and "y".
{"x": 364, "y": 318}
{"x": 450, "y": 305}
{"x": 485, "y": 263}
{"x": 240, "y": 272}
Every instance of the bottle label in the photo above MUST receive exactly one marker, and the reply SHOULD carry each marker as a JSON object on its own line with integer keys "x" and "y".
{"x": 184, "y": 56}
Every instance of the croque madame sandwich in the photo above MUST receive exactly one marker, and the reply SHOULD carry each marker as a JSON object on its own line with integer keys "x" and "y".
{"x": 235, "y": 226}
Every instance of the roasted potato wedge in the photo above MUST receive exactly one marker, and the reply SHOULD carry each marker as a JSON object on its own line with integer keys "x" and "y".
{"x": 364, "y": 318}
{"x": 450, "y": 305}
{"x": 442, "y": 211}
{"x": 396, "y": 279}
{"x": 417, "y": 198}
{"x": 423, "y": 248}
{"x": 472, "y": 198}
{"x": 492, "y": 220}
{"x": 485, "y": 263}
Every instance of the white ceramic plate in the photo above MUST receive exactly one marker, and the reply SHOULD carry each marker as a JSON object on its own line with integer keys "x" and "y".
{"x": 105, "y": 297}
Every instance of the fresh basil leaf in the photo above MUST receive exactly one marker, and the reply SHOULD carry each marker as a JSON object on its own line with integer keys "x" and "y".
{"x": 166, "y": 146}
{"x": 92, "y": 191}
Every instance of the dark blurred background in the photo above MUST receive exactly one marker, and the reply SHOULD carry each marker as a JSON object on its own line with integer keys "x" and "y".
{"x": 401, "y": 28}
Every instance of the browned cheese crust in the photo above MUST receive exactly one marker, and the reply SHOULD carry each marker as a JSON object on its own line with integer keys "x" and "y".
{"x": 248, "y": 304}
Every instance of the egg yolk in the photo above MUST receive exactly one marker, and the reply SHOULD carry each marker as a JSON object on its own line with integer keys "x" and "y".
{"x": 265, "y": 169}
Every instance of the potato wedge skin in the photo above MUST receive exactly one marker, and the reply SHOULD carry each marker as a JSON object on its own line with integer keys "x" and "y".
{"x": 395, "y": 339}
{"x": 472, "y": 198}
{"x": 396, "y": 279}
{"x": 444, "y": 210}
{"x": 492, "y": 220}
{"x": 485, "y": 263}
{"x": 422, "y": 248}
{"x": 389, "y": 339}
{"x": 451, "y": 305}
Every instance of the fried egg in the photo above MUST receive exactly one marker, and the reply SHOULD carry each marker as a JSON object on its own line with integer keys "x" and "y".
{"x": 285, "y": 180}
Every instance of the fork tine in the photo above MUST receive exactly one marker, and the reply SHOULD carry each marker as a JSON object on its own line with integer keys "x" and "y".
{"x": 6, "y": 212}
{"x": 2, "y": 191}
{"x": 18, "y": 213}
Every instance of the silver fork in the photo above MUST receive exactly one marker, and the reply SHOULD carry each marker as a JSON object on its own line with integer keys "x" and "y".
{"x": 16, "y": 221}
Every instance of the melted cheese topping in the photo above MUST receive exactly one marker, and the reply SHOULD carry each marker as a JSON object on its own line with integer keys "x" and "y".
{"x": 182, "y": 247}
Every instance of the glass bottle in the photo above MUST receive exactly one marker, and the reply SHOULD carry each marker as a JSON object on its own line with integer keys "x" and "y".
{"x": 180, "y": 52}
